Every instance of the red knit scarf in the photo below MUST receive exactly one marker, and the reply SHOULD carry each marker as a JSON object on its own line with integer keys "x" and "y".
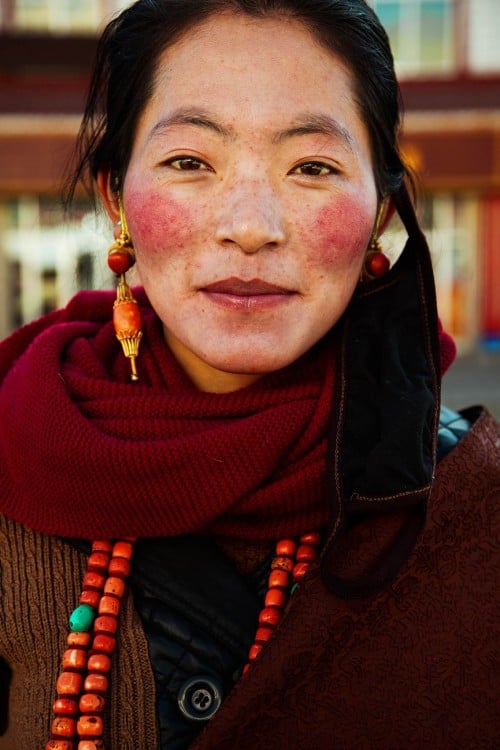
{"x": 86, "y": 453}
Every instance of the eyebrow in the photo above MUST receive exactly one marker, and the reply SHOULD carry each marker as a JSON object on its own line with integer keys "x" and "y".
{"x": 189, "y": 116}
{"x": 311, "y": 123}
{"x": 305, "y": 124}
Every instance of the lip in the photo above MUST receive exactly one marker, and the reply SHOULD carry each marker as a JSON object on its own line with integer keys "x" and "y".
{"x": 248, "y": 296}
{"x": 240, "y": 288}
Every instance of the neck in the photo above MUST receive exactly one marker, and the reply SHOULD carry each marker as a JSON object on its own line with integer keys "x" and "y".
{"x": 205, "y": 377}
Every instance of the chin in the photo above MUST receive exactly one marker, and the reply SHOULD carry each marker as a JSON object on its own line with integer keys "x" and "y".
{"x": 258, "y": 364}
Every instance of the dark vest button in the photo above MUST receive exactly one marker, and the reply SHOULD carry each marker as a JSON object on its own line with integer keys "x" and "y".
{"x": 199, "y": 698}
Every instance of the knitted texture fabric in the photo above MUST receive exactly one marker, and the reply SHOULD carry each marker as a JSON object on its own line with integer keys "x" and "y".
{"x": 40, "y": 582}
{"x": 84, "y": 452}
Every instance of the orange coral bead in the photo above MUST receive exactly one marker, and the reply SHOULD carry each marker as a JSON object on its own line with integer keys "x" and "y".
{"x": 74, "y": 658}
{"x": 115, "y": 586}
{"x": 127, "y": 318}
{"x": 286, "y": 548}
{"x": 300, "y": 570}
{"x": 278, "y": 579}
{"x": 106, "y": 624}
{"x": 378, "y": 264}
{"x": 119, "y": 261}
{"x": 90, "y": 726}
{"x": 91, "y": 745}
{"x": 102, "y": 545}
{"x": 306, "y": 553}
{"x": 254, "y": 651}
{"x": 91, "y": 703}
{"x": 123, "y": 549}
{"x": 269, "y": 616}
{"x": 99, "y": 663}
{"x": 78, "y": 639}
{"x": 93, "y": 580}
{"x": 109, "y": 605}
{"x": 65, "y": 707}
{"x": 312, "y": 538}
{"x": 282, "y": 563}
{"x": 98, "y": 561}
{"x": 69, "y": 683}
{"x": 263, "y": 634}
{"x": 60, "y": 745}
{"x": 90, "y": 597}
{"x": 104, "y": 643}
{"x": 63, "y": 726}
{"x": 96, "y": 683}
{"x": 275, "y": 598}
{"x": 119, "y": 566}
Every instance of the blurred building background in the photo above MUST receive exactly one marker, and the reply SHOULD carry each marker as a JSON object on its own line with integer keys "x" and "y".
{"x": 448, "y": 60}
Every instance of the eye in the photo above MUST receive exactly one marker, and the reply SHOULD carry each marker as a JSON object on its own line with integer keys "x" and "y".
{"x": 313, "y": 169}
{"x": 187, "y": 164}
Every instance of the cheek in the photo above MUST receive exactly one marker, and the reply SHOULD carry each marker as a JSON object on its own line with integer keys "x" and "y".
{"x": 340, "y": 233}
{"x": 157, "y": 223}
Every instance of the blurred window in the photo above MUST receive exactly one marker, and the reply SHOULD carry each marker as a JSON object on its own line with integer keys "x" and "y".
{"x": 421, "y": 33}
{"x": 47, "y": 256}
{"x": 483, "y": 31}
{"x": 451, "y": 222}
{"x": 63, "y": 16}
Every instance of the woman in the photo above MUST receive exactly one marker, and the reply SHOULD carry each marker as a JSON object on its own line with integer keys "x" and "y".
{"x": 273, "y": 427}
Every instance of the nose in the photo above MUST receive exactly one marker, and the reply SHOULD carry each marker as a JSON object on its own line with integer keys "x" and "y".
{"x": 250, "y": 216}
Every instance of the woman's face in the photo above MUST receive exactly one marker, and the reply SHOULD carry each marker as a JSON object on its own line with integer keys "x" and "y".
{"x": 250, "y": 196}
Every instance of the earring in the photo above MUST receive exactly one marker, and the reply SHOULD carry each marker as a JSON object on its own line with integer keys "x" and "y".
{"x": 126, "y": 314}
{"x": 376, "y": 262}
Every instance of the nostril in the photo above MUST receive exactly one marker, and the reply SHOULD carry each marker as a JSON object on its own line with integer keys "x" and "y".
{"x": 251, "y": 238}
{"x": 252, "y": 223}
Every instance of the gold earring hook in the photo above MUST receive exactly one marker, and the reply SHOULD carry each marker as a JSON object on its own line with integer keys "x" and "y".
{"x": 123, "y": 220}
{"x": 378, "y": 220}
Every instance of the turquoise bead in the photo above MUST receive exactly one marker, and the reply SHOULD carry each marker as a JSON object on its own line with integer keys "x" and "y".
{"x": 294, "y": 588}
{"x": 81, "y": 619}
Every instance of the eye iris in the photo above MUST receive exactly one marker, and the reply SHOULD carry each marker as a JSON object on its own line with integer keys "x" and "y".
{"x": 312, "y": 168}
{"x": 189, "y": 164}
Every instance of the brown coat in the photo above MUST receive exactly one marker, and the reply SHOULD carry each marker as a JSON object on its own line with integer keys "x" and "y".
{"x": 415, "y": 666}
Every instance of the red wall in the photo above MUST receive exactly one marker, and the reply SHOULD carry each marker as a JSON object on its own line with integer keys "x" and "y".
{"x": 490, "y": 324}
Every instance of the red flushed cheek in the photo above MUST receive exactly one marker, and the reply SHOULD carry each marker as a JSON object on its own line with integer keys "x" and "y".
{"x": 340, "y": 232}
{"x": 156, "y": 222}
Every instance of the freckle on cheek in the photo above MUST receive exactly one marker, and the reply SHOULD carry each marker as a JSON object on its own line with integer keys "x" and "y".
{"x": 157, "y": 222}
{"x": 341, "y": 231}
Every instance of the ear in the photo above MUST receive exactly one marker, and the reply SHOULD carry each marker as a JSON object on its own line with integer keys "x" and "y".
{"x": 109, "y": 197}
{"x": 389, "y": 211}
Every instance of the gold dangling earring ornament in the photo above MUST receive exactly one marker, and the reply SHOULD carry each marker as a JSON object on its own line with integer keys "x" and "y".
{"x": 376, "y": 262}
{"x": 126, "y": 314}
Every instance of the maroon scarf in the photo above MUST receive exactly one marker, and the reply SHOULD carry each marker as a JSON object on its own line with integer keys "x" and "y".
{"x": 86, "y": 453}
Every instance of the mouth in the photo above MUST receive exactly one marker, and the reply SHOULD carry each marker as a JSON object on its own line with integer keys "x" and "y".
{"x": 255, "y": 294}
{"x": 241, "y": 288}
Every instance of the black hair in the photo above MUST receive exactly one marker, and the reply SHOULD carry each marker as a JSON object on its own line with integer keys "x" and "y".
{"x": 130, "y": 46}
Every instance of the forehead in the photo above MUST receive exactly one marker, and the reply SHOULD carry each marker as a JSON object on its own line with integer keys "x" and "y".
{"x": 253, "y": 74}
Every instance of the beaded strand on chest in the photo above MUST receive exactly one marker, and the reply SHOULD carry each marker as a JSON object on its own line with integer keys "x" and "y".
{"x": 84, "y": 681}
{"x": 290, "y": 564}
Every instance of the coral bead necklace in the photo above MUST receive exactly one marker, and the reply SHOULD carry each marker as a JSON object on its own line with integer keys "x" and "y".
{"x": 288, "y": 567}
{"x": 83, "y": 683}
{"x": 86, "y": 663}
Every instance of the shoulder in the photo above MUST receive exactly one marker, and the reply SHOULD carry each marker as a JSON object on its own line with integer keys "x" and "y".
{"x": 469, "y": 452}
{"x": 473, "y": 429}
{"x": 453, "y": 426}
